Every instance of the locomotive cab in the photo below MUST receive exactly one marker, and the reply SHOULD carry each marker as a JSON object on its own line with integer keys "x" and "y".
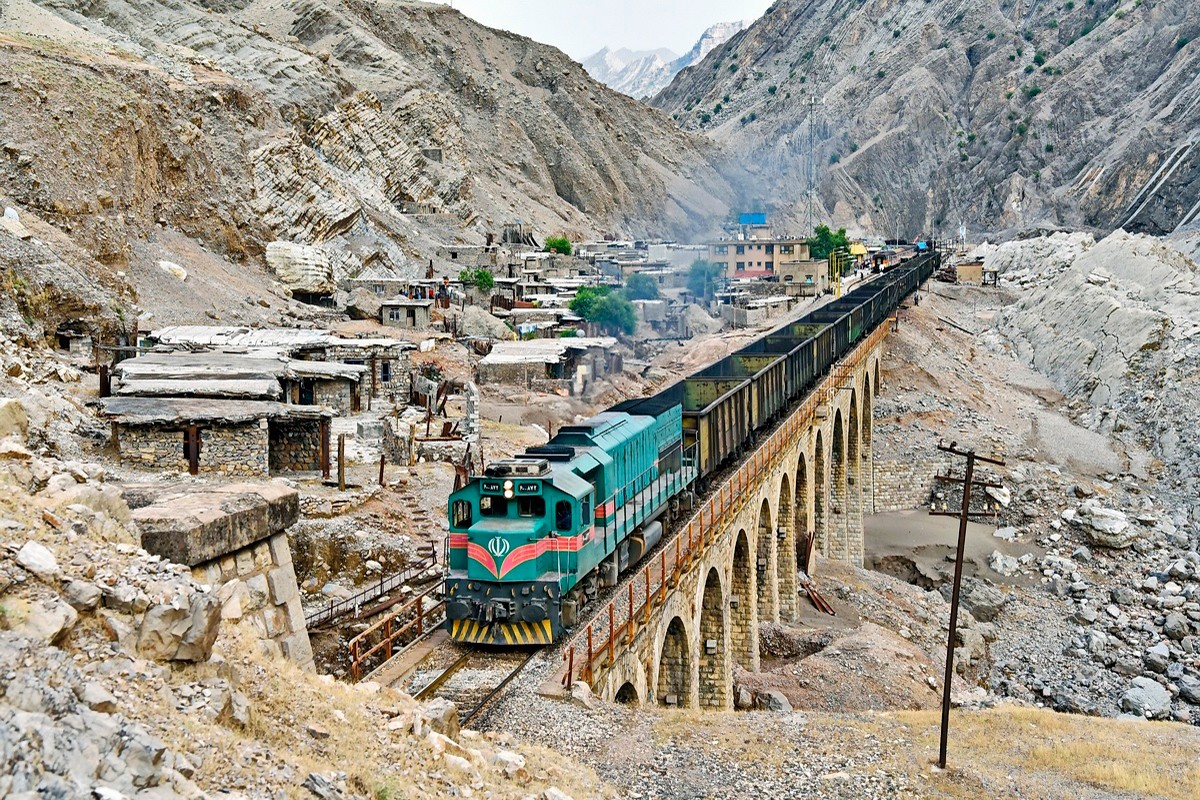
{"x": 515, "y": 542}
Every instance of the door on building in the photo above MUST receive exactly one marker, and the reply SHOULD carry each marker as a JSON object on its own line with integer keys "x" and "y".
{"x": 306, "y": 393}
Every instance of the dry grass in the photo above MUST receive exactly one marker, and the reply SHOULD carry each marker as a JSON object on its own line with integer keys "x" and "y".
{"x": 1007, "y": 752}
{"x": 1030, "y": 750}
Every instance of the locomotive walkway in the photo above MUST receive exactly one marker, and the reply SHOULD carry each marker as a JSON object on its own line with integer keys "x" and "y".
{"x": 674, "y": 629}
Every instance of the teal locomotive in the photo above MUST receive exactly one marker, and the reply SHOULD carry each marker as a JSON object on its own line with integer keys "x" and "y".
{"x": 536, "y": 537}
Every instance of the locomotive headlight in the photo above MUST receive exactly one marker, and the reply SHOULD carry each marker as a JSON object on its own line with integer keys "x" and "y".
{"x": 508, "y": 489}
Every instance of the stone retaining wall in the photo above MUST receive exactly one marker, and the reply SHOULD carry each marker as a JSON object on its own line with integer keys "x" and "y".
{"x": 234, "y": 538}
{"x": 902, "y": 485}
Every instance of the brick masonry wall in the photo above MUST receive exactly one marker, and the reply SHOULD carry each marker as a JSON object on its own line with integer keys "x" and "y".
{"x": 258, "y": 583}
{"x": 224, "y": 449}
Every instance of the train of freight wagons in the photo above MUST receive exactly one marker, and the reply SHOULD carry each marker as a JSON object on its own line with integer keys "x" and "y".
{"x": 533, "y": 539}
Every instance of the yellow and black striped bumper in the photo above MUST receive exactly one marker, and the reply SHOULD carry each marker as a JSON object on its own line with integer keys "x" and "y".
{"x": 501, "y": 633}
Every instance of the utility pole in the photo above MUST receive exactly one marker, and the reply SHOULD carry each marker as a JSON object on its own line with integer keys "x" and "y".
{"x": 963, "y": 515}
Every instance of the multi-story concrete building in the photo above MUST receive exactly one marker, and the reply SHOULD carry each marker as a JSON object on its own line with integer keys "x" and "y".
{"x": 760, "y": 255}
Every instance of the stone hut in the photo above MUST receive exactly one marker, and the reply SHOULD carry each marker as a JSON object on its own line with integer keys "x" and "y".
{"x": 252, "y": 438}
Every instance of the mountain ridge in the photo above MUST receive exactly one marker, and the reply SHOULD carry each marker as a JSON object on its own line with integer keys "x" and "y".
{"x": 643, "y": 73}
{"x": 1072, "y": 116}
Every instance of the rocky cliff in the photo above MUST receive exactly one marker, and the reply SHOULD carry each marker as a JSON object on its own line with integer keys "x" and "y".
{"x": 198, "y": 132}
{"x": 1006, "y": 116}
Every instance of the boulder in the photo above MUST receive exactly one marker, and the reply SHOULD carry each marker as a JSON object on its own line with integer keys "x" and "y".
{"x": 443, "y": 717}
{"x": 1002, "y": 564}
{"x": 97, "y": 698}
{"x": 582, "y": 693}
{"x": 1157, "y": 657}
{"x": 1189, "y": 688}
{"x": 1176, "y": 626}
{"x": 984, "y": 602}
{"x": 175, "y": 632}
{"x": 38, "y": 559}
{"x": 171, "y": 268}
{"x": 1107, "y": 527}
{"x": 363, "y": 304}
{"x": 49, "y": 620}
{"x": 773, "y": 700}
{"x": 1000, "y": 494}
{"x": 14, "y": 421}
{"x": 82, "y": 596}
{"x": 1146, "y": 698}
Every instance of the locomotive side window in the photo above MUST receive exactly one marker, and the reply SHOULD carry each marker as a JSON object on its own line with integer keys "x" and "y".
{"x": 461, "y": 514}
{"x": 586, "y": 509}
{"x": 531, "y": 507}
{"x": 562, "y": 516}
{"x": 493, "y": 506}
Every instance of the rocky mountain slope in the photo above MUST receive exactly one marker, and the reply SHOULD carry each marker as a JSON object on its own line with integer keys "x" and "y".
{"x": 1005, "y": 116}
{"x": 643, "y": 73}
{"x": 196, "y": 133}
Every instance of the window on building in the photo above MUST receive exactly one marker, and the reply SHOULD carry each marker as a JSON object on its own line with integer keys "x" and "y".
{"x": 385, "y": 371}
{"x": 531, "y": 507}
{"x": 562, "y": 516}
{"x": 394, "y": 314}
{"x": 771, "y": 265}
{"x": 741, "y": 265}
{"x": 460, "y": 514}
{"x": 786, "y": 249}
{"x": 721, "y": 250}
{"x": 453, "y": 255}
{"x": 770, "y": 249}
{"x": 493, "y": 506}
{"x": 741, "y": 249}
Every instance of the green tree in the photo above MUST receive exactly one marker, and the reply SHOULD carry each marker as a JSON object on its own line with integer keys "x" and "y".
{"x": 610, "y": 311}
{"x": 703, "y": 278}
{"x": 586, "y": 299}
{"x": 641, "y": 287}
{"x": 558, "y": 244}
{"x": 825, "y": 241}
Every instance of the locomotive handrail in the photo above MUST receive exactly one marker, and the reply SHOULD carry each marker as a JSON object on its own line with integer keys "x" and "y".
{"x": 731, "y": 495}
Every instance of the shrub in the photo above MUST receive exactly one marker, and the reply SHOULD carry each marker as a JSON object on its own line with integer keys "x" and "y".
{"x": 558, "y": 244}
{"x": 479, "y": 278}
{"x": 1032, "y": 91}
{"x": 703, "y": 277}
{"x": 772, "y": 89}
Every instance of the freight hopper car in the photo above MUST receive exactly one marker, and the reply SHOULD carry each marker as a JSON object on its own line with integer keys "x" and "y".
{"x": 537, "y": 536}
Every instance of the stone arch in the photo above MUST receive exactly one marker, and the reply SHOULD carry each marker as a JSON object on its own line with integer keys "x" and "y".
{"x": 764, "y": 566}
{"x": 714, "y": 673}
{"x": 628, "y": 695}
{"x": 802, "y": 517}
{"x": 878, "y": 382}
{"x": 675, "y": 665}
{"x": 837, "y": 489}
{"x": 741, "y": 605}
{"x": 854, "y": 493}
{"x": 820, "y": 496}
{"x": 785, "y": 550}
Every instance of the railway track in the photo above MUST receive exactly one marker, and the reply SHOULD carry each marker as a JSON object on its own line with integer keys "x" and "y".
{"x": 469, "y": 677}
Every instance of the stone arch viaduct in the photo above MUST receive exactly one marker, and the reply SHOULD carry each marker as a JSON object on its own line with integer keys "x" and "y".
{"x": 695, "y": 613}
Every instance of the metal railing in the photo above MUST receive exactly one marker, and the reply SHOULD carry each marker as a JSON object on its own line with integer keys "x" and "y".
{"x": 711, "y": 521}
{"x": 396, "y": 630}
{"x": 352, "y": 604}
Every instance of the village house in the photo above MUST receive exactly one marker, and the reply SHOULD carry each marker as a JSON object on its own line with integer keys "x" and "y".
{"x": 569, "y": 364}
{"x": 405, "y": 312}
